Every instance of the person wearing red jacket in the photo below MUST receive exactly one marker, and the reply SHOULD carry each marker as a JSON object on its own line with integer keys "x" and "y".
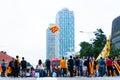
{"x": 109, "y": 64}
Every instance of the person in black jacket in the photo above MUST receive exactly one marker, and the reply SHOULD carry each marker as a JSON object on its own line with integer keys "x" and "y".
{"x": 11, "y": 65}
{"x": 70, "y": 66}
{"x": 23, "y": 65}
{"x": 48, "y": 67}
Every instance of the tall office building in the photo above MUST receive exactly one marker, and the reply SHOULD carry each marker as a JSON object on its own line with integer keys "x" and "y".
{"x": 51, "y": 44}
{"x": 65, "y": 22}
{"x": 116, "y": 32}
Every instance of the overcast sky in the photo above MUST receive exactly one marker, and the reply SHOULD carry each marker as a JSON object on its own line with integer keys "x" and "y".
{"x": 23, "y": 23}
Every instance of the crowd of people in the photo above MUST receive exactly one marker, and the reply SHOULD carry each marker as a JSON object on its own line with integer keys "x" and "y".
{"x": 14, "y": 67}
{"x": 79, "y": 66}
{"x": 74, "y": 66}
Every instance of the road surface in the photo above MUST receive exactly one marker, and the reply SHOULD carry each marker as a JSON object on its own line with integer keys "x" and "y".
{"x": 62, "y": 78}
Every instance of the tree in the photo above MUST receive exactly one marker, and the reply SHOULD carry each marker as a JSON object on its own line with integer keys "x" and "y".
{"x": 99, "y": 42}
{"x": 96, "y": 46}
{"x": 28, "y": 64}
{"x": 86, "y": 49}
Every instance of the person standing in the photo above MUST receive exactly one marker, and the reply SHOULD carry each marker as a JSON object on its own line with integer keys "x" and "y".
{"x": 63, "y": 66}
{"x": 116, "y": 67}
{"x": 3, "y": 65}
{"x": 16, "y": 66}
{"x": 91, "y": 65}
{"x": 39, "y": 67}
{"x": 85, "y": 67}
{"x": 101, "y": 68}
{"x": 48, "y": 67}
{"x": 77, "y": 68}
{"x": 70, "y": 66}
{"x": 81, "y": 66}
{"x": 109, "y": 66}
{"x": 23, "y": 66}
{"x": 11, "y": 65}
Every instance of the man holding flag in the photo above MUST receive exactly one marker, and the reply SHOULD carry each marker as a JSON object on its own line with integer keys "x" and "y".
{"x": 109, "y": 63}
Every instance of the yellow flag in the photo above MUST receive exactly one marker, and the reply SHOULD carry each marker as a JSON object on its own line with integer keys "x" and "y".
{"x": 106, "y": 50}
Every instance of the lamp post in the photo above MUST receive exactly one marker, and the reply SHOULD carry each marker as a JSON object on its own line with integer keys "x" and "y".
{"x": 89, "y": 34}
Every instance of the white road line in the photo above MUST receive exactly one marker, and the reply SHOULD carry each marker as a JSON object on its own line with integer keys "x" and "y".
{"x": 47, "y": 78}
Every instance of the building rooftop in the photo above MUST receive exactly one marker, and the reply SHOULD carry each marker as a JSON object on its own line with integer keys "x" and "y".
{"x": 6, "y": 57}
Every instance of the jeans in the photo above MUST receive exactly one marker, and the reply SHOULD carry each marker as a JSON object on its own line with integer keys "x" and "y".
{"x": 41, "y": 73}
{"x": 81, "y": 71}
{"x": 48, "y": 71}
{"x": 63, "y": 72}
{"x": 3, "y": 71}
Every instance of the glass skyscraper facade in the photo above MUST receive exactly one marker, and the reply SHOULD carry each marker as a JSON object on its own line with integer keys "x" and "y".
{"x": 65, "y": 22}
{"x": 51, "y": 44}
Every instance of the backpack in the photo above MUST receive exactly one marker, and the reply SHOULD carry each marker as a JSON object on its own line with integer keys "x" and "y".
{"x": 23, "y": 64}
{"x": 77, "y": 62}
{"x": 85, "y": 63}
{"x": 101, "y": 62}
{"x": 16, "y": 63}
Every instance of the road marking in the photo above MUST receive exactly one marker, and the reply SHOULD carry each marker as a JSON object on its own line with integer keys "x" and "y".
{"x": 47, "y": 78}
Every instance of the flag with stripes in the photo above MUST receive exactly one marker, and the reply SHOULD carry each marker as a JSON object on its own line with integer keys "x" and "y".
{"x": 116, "y": 65}
{"x": 54, "y": 28}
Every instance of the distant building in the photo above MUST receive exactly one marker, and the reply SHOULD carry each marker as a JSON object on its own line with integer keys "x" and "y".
{"x": 116, "y": 32}
{"x": 65, "y": 22}
{"x": 7, "y": 58}
{"x": 52, "y": 48}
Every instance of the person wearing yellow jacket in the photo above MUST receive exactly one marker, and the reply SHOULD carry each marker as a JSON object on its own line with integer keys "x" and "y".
{"x": 0, "y": 69}
{"x": 63, "y": 66}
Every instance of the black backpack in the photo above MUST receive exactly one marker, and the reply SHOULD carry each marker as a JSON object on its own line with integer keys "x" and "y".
{"x": 77, "y": 62}
{"x": 23, "y": 64}
{"x": 85, "y": 63}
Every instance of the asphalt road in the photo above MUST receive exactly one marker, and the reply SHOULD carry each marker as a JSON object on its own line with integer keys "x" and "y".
{"x": 63, "y": 78}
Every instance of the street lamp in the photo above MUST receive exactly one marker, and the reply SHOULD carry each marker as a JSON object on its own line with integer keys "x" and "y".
{"x": 86, "y": 32}
{"x": 89, "y": 33}
{"x": 70, "y": 52}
